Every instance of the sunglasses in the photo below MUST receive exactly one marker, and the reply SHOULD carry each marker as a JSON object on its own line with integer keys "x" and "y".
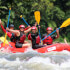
{"x": 22, "y": 28}
{"x": 49, "y": 30}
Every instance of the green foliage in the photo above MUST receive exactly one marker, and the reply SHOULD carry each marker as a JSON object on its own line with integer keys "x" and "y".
{"x": 53, "y": 13}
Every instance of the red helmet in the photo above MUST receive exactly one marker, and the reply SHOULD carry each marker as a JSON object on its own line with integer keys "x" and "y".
{"x": 49, "y": 28}
{"x": 22, "y": 26}
{"x": 33, "y": 27}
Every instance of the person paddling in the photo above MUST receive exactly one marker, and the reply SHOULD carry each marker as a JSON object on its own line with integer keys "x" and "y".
{"x": 12, "y": 36}
{"x": 49, "y": 40}
{"x": 21, "y": 36}
{"x": 34, "y": 37}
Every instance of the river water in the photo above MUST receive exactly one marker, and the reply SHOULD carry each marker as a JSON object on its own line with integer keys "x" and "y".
{"x": 32, "y": 60}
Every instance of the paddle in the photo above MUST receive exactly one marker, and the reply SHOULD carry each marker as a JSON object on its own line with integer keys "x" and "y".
{"x": 2, "y": 40}
{"x": 37, "y": 18}
{"x": 7, "y": 27}
{"x": 24, "y": 20}
{"x": 64, "y": 24}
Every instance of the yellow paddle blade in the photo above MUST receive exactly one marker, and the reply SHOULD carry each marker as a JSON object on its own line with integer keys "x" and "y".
{"x": 65, "y": 23}
{"x": 37, "y": 16}
{"x": 5, "y": 39}
{"x": 2, "y": 40}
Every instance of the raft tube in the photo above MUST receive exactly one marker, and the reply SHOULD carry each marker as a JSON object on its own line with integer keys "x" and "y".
{"x": 54, "y": 47}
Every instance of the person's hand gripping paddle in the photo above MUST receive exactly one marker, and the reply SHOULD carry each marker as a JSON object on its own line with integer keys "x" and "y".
{"x": 37, "y": 18}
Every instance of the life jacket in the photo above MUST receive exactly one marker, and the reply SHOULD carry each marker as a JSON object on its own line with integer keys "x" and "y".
{"x": 34, "y": 38}
{"x": 21, "y": 38}
{"x": 48, "y": 40}
{"x": 13, "y": 38}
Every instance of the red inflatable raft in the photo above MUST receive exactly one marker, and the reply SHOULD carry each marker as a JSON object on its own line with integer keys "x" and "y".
{"x": 54, "y": 47}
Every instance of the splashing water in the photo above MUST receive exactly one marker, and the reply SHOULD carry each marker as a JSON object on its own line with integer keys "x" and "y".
{"x": 32, "y": 60}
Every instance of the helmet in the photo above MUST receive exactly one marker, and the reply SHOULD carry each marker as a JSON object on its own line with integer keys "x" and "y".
{"x": 11, "y": 25}
{"x": 49, "y": 28}
{"x": 33, "y": 27}
{"x": 22, "y": 26}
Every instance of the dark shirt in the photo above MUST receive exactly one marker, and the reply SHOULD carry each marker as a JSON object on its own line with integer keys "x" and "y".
{"x": 34, "y": 38}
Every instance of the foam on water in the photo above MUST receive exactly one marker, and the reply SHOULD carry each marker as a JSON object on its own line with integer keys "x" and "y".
{"x": 35, "y": 61}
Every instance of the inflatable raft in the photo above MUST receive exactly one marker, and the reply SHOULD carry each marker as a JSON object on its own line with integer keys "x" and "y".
{"x": 54, "y": 47}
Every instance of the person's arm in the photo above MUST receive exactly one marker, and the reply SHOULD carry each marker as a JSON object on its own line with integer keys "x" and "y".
{"x": 29, "y": 36}
{"x": 57, "y": 31}
{"x": 9, "y": 34}
{"x": 27, "y": 30}
{"x": 4, "y": 30}
{"x": 35, "y": 24}
{"x": 13, "y": 31}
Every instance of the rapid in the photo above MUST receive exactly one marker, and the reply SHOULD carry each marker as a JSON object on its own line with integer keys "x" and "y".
{"x": 32, "y": 60}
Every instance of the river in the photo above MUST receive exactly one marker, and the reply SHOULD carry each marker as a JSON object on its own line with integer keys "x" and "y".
{"x": 32, "y": 60}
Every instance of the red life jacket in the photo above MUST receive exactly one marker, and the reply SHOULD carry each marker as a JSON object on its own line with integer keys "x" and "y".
{"x": 21, "y": 38}
{"x": 48, "y": 40}
{"x": 37, "y": 38}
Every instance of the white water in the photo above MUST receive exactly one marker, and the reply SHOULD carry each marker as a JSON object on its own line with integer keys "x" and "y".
{"x": 35, "y": 61}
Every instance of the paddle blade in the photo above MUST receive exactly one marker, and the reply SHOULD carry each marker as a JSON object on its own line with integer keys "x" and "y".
{"x": 65, "y": 23}
{"x": 2, "y": 40}
{"x": 37, "y": 16}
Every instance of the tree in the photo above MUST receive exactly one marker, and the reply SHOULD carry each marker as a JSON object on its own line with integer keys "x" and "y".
{"x": 53, "y": 13}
